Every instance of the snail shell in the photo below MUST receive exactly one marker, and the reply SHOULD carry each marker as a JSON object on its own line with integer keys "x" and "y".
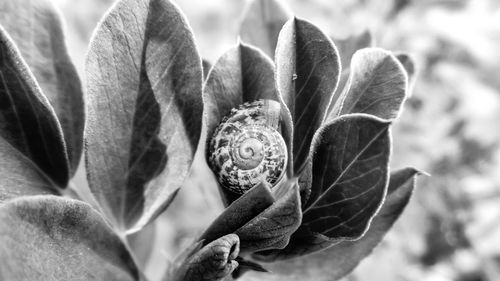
{"x": 247, "y": 147}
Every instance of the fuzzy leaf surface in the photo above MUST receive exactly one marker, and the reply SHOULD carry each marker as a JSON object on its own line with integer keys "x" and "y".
{"x": 144, "y": 81}
{"x": 239, "y": 212}
{"x": 213, "y": 262}
{"x": 307, "y": 73}
{"x": 347, "y": 47}
{"x": 28, "y": 124}
{"x": 272, "y": 228}
{"x": 377, "y": 84}
{"x": 350, "y": 158}
{"x": 242, "y": 74}
{"x": 53, "y": 238}
{"x": 262, "y": 22}
{"x": 36, "y": 29}
{"x": 340, "y": 259}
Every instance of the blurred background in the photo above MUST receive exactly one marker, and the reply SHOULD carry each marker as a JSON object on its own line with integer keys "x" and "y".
{"x": 449, "y": 128}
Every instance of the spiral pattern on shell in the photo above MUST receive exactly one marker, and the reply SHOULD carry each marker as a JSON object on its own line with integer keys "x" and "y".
{"x": 247, "y": 147}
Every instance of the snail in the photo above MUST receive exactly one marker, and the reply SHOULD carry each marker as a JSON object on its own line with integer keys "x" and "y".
{"x": 247, "y": 147}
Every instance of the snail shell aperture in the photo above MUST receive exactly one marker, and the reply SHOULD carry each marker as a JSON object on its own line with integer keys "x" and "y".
{"x": 247, "y": 147}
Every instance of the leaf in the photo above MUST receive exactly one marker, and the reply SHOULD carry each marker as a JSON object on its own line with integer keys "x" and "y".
{"x": 409, "y": 65}
{"x": 242, "y": 74}
{"x": 338, "y": 260}
{"x": 20, "y": 176}
{"x": 347, "y": 47}
{"x": 28, "y": 124}
{"x": 262, "y": 220}
{"x": 35, "y": 27}
{"x": 144, "y": 83}
{"x": 350, "y": 159}
{"x": 213, "y": 262}
{"x": 53, "y": 238}
{"x": 262, "y": 22}
{"x": 377, "y": 84}
{"x": 307, "y": 73}
{"x": 242, "y": 210}
{"x": 272, "y": 228}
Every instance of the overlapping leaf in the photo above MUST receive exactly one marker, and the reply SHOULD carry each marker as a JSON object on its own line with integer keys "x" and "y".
{"x": 36, "y": 29}
{"x": 32, "y": 146}
{"x": 144, "y": 109}
{"x": 262, "y": 22}
{"x": 377, "y": 84}
{"x": 59, "y": 239}
{"x": 212, "y": 262}
{"x": 307, "y": 73}
{"x": 338, "y": 260}
{"x": 261, "y": 218}
{"x": 347, "y": 47}
{"x": 350, "y": 158}
{"x": 242, "y": 74}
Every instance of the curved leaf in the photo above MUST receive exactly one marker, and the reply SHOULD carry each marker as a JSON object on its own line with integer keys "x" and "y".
{"x": 144, "y": 109}
{"x": 27, "y": 121}
{"x": 272, "y": 228}
{"x": 347, "y": 47}
{"x": 338, "y": 260}
{"x": 242, "y": 74}
{"x": 350, "y": 174}
{"x": 59, "y": 239}
{"x": 377, "y": 84}
{"x": 20, "y": 176}
{"x": 262, "y": 22}
{"x": 307, "y": 73}
{"x": 213, "y": 262}
{"x": 242, "y": 210}
{"x": 35, "y": 27}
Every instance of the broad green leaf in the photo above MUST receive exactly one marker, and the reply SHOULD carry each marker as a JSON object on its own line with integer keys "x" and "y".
{"x": 36, "y": 29}
{"x": 350, "y": 158}
{"x": 242, "y": 74}
{"x": 28, "y": 123}
{"x": 377, "y": 84}
{"x": 409, "y": 65}
{"x": 347, "y": 47}
{"x": 53, "y": 238}
{"x": 144, "y": 84}
{"x": 307, "y": 73}
{"x": 338, "y": 260}
{"x": 272, "y": 228}
{"x": 262, "y": 22}
{"x": 213, "y": 262}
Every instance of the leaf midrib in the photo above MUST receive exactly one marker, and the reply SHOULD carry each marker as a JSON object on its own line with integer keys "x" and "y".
{"x": 355, "y": 159}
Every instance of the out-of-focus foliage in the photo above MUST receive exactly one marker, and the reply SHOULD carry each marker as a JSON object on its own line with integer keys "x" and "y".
{"x": 449, "y": 128}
